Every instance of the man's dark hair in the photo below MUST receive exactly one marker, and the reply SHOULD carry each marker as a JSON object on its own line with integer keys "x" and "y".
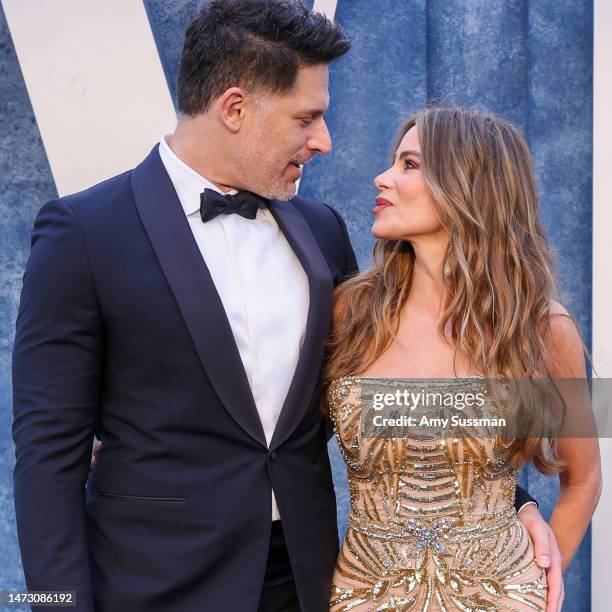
{"x": 252, "y": 43}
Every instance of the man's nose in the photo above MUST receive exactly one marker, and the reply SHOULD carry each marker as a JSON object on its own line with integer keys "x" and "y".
{"x": 320, "y": 140}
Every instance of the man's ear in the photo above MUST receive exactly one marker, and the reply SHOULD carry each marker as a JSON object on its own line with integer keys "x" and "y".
{"x": 231, "y": 108}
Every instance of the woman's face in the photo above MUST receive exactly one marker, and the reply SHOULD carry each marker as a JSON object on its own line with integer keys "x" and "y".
{"x": 404, "y": 208}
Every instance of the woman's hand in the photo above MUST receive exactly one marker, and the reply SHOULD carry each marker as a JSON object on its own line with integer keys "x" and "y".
{"x": 96, "y": 448}
{"x": 547, "y": 554}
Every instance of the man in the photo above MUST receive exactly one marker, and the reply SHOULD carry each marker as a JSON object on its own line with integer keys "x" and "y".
{"x": 185, "y": 328}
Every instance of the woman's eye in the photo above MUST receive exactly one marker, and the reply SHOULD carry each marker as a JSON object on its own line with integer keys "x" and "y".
{"x": 409, "y": 164}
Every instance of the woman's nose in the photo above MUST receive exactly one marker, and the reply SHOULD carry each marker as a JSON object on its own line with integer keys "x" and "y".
{"x": 383, "y": 180}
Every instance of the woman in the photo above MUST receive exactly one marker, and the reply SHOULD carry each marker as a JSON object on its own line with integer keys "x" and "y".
{"x": 460, "y": 293}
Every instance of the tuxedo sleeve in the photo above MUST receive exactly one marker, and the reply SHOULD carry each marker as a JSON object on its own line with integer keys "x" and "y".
{"x": 57, "y": 361}
{"x": 522, "y": 497}
{"x": 351, "y": 267}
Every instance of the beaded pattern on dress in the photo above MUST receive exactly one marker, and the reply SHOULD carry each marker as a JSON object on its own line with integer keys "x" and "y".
{"x": 432, "y": 523}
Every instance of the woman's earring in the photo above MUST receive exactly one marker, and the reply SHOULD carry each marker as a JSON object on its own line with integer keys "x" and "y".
{"x": 447, "y": 270}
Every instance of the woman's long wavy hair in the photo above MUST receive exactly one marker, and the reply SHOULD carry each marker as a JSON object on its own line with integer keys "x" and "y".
{"x": 479, "y": 171}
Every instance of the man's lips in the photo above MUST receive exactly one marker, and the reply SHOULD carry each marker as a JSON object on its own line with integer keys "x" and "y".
{"x": 381, "y": 204}
{"x": 297, "y": 166}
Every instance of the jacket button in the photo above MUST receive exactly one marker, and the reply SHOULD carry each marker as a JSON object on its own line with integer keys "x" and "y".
{"x": 272, "y": 455}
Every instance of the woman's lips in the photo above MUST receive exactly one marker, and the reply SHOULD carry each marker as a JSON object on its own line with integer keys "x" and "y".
{"x": 381, "y": 204}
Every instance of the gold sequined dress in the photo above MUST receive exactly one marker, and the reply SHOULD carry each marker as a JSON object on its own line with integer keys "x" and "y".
{"x": 432, "y": 524}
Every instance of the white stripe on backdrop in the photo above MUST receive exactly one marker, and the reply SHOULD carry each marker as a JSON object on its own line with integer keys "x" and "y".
{"x": 327, "y": 7}
{"x": 96, "y": 84}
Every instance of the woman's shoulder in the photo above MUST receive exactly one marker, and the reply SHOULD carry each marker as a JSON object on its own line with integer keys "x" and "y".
{"x": 564, "y": 344}
{"x": 558, "y": 309}
{"x": 561, "y": 324}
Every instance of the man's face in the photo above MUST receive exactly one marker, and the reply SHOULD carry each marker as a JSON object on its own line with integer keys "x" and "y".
{"x": 285, "y": 131}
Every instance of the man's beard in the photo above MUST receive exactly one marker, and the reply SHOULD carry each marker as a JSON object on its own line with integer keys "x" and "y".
{"x": 274, "y": 186}
{"x": 280, "y": 190}
{"x": 263, "y": 180}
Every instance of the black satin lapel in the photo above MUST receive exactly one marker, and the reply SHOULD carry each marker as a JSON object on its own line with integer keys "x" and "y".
{"x": 320, "y": 284}
{"x": 190, "y": 281}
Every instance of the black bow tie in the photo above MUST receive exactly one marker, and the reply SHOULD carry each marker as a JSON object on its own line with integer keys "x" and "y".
{"x": 243, "y": 203}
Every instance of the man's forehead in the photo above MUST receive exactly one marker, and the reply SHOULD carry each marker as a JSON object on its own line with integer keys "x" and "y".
{"x": 307, "y": 101}
{"x": 313, "y": 79}
{"x": 313, "y": 106}
{"x": 310, "y": 92}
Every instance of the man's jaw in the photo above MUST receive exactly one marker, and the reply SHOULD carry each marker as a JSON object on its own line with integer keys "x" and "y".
{"x": 281, "y": 189}
{"x": 284, "y": 188}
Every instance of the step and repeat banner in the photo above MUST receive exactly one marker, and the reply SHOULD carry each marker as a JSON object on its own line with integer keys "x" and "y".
{"x": 88, "y": 87}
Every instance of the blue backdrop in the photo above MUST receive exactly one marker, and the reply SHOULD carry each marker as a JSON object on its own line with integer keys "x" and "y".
{"x": 530, "y": 61}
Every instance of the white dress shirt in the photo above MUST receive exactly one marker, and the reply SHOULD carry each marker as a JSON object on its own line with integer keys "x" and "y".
{"x": 261, "y": 283}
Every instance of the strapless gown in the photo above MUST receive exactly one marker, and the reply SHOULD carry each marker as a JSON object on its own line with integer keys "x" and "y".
{"x": 432, "y": 523}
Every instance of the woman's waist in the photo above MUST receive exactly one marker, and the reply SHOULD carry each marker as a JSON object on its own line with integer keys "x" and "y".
{"x": 427, "y": 529}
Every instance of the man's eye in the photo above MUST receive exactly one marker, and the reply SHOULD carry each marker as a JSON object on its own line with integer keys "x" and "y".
{"x": 305, "y": 121}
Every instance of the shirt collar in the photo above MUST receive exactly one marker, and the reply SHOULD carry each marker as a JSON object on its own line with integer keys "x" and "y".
{"x": 188, "y": 184}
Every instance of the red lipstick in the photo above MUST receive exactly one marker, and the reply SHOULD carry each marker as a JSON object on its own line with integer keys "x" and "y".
{"x": 381, "y": 204}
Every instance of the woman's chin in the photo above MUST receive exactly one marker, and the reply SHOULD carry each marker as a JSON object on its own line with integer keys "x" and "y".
{"x": 380, "y": 231}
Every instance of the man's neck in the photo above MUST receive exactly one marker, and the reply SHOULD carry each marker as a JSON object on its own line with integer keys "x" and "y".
{"x": 188, "y": 144}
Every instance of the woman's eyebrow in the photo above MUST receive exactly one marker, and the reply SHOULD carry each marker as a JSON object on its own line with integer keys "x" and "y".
{"x": 406, "y": 153}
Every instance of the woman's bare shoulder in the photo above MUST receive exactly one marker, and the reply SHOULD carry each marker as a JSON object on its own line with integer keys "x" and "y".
{"x": 564, "y": 344}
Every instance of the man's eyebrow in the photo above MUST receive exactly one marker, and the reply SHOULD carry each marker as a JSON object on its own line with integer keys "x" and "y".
{"x": 406, "y": 153}
{"x": 313, "y": 111}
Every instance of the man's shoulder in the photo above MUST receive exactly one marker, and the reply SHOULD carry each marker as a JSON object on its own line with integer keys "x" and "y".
{"x": 330, "y": 233}
{"x": 315, "y": 212}
{"x": 101, "y": 208}
{"x": 114, "y": 197}
{"x": 101, "y": 195}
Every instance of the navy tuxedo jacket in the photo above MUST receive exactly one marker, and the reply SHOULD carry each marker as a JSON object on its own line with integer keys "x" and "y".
{"x": 122, "y": 334}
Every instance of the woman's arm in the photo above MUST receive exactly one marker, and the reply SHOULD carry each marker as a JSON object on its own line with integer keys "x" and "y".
{"x": 581, "y": 478}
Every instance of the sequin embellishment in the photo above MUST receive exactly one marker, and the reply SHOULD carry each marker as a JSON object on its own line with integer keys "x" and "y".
{"x": 432, "y": 523}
